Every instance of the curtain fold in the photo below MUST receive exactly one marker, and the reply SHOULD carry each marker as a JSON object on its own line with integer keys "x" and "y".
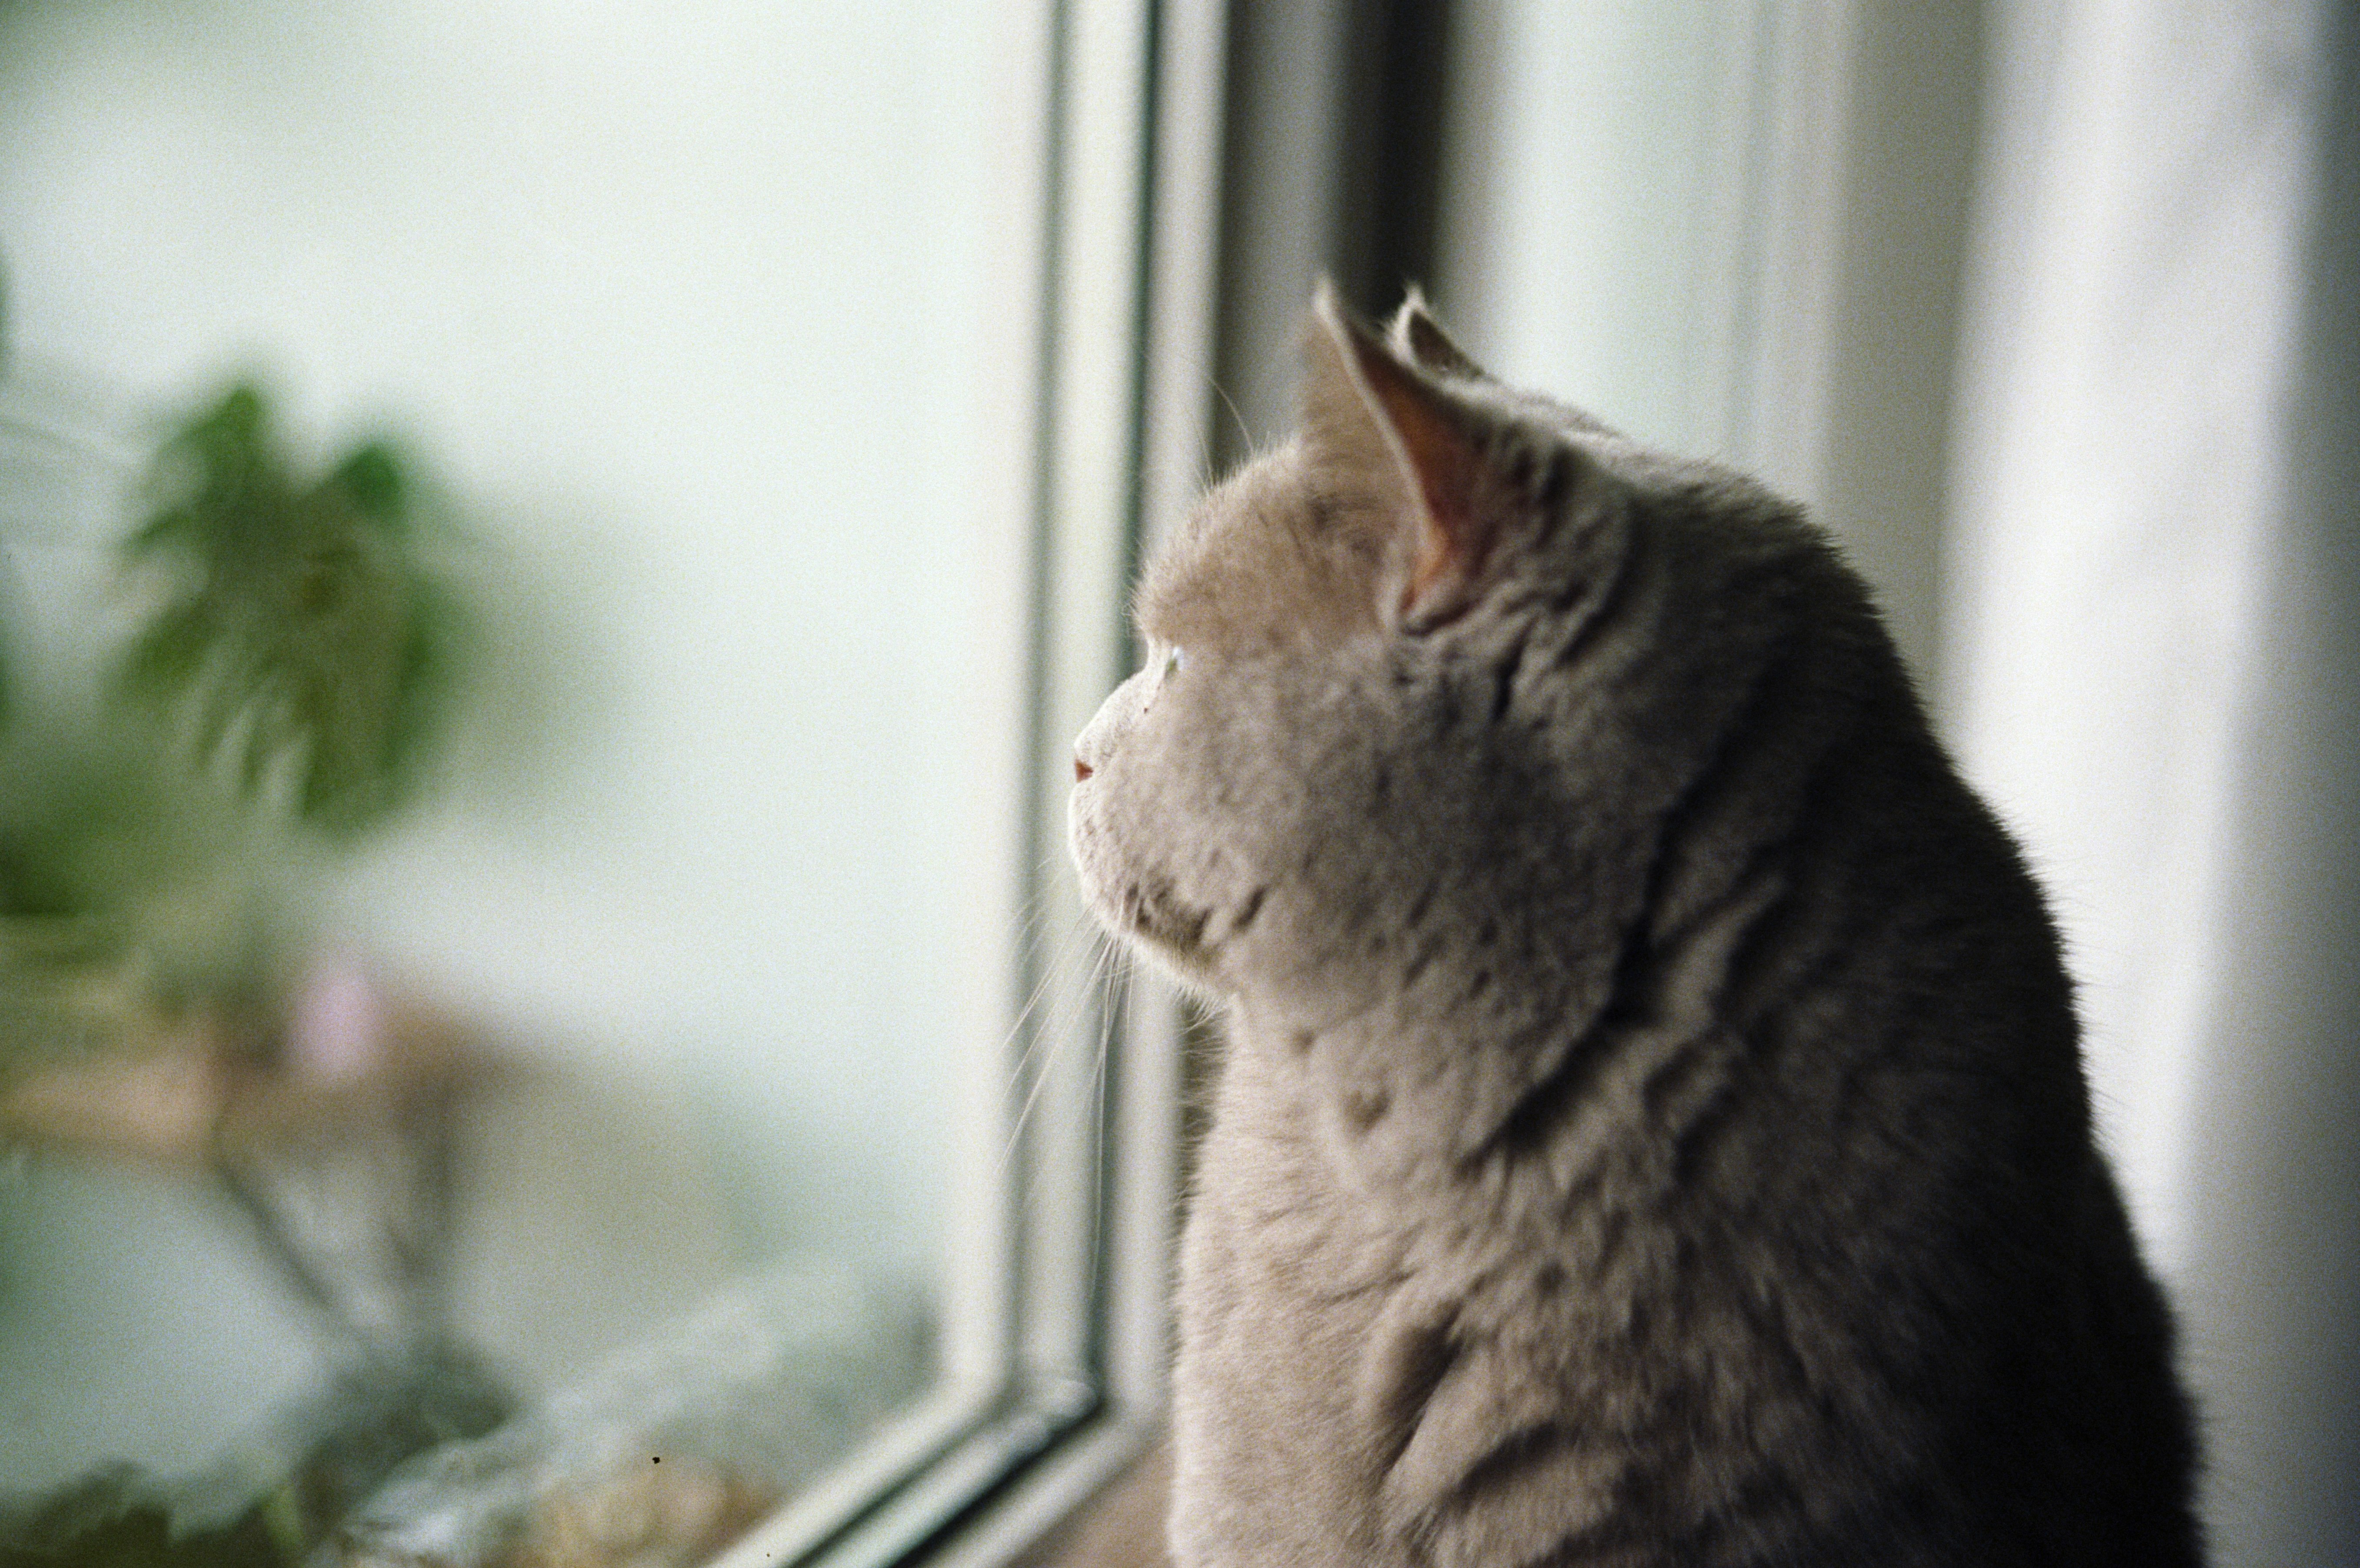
{"x": 2154, "y": 670}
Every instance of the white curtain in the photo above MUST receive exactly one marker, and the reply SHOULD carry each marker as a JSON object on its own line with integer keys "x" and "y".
{"x": 2153, "y": 661}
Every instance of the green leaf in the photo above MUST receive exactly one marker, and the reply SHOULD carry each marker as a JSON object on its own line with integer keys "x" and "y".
{"x": 301, "y": 624}
{"x": 371, "y": 479}
{"x": 166, "y": 657}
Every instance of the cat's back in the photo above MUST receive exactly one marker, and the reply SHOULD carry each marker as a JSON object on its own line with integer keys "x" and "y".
{"x": 1795, "y": 1247}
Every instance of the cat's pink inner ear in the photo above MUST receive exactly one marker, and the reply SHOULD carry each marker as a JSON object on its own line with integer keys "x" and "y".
{"x": 1428, "y": 439}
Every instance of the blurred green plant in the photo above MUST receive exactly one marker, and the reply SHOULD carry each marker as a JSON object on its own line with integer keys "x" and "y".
{"x": 302, "y": 646}
{"x": 286, "y": 679}
{"x": 126, "y": 896}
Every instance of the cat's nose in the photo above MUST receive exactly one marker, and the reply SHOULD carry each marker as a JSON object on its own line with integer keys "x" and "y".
{"x": 1082, "y": 770}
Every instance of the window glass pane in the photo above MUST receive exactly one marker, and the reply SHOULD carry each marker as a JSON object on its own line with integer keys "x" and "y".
{"x": 688, "y": 330}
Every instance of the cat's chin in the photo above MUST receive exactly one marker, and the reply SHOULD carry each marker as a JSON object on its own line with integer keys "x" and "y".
{"x": 1191, "y": 971}
{"x": 1133, "y": 928}
{"x": 1140, "y": 912}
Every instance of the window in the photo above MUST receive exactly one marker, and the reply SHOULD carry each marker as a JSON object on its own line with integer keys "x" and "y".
{"x": 683, "y": 1084}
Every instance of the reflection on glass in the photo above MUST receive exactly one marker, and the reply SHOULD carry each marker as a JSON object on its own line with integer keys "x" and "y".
{"x": 506, "y": 643}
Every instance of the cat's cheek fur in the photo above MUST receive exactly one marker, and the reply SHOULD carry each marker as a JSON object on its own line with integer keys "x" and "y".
{"x": 1164, "y": 859}
{"x": 1168, "y": 890}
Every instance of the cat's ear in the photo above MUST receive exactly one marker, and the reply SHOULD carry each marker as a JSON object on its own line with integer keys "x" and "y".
{"x": 1417, "y": 337}
{"x": 1385, "y": 425}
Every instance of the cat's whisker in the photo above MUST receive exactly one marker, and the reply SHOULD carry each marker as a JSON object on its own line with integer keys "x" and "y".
{"x": 1116, "y": 965}
{"x": 1245, "y": 437}
{"x": 1044, "y": 993}
{"x": 1034, "y": 934}
{"x": 1024, "y": 1112}
{"x": 1059, "y": 1023}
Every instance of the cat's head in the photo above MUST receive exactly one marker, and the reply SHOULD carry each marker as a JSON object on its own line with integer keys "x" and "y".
{"x": 1388, "y": 703}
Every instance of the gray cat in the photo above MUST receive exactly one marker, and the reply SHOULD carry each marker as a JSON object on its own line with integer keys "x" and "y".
{"x": 1652, "y": 1130}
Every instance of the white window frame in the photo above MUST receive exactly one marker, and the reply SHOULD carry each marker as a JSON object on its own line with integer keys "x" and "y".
{"x": 1069, "y": 1384}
